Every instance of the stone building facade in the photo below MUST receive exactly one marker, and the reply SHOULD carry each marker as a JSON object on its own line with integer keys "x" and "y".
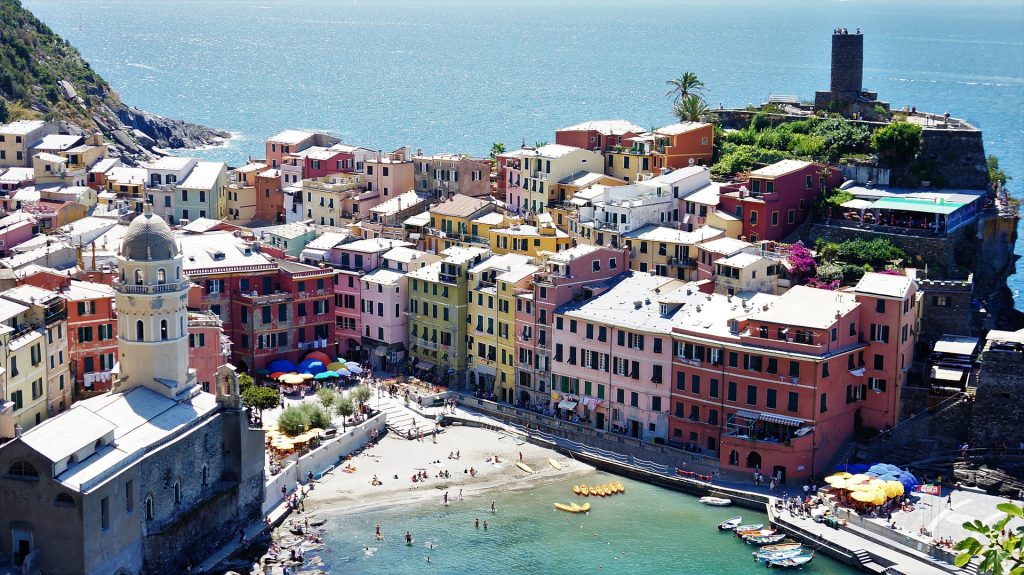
{"x": 149, "y": 476}
{"x": 996, "y": 410}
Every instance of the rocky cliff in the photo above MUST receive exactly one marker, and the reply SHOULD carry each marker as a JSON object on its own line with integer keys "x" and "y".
{"x": 42, "y": 76}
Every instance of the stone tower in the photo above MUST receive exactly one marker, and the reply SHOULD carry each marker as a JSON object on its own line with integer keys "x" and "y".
{"x": 151, "y": 297}
{"x": 847, "y": 66}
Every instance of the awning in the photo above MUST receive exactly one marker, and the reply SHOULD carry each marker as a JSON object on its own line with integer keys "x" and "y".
{"x": 424, "y": 365}
{"x": 578, "y": 201}
{"x": 782, "y": 419}
{"x": 751, "y": 415}
{"x": 947, "y": 374}
{"x": 566, "y": 404}
{"x": 856, "y": 204}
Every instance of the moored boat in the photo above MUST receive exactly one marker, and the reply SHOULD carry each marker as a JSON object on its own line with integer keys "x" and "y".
{"x": 576, "y": 490}
{"x": 716, "y": 501}
{"x": 755, "y": 533}
{"x": 765, "y": 539}
{"x": 776, "y": 556}
{"x": 730, "y": 523}
{"x": 780, "y": 547}
{"x": 748, "y": 527}
{"x": 792, "y": 562}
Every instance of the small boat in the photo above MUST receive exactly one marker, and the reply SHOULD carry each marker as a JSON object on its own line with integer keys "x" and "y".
{"x": 555, "y": 464}
{"x": 779, "y": 547}
{"x": 766, "y": 539}
{"x": 750, "y": 527}
{"x": 622, "y": 488}
{"x": 576, "y": 489}
{"x": 792, "y": 562}
{"x": 524, "y": 467}
{"x": 716, "y": 501}
{"x": 584, "y": 490}
{"x": 756, "y": 533}
{"x": 572, "y": 507}
{"x": 763, "y": 557}
{"x": 730, "y": 523}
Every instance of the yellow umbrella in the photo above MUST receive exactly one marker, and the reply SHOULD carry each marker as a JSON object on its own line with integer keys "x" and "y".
{"x": 859, "y": 478}
{"x": 894, "y": 488}
{"x": 879, "y": 497}
{"x": 837, "y": 482}
{"x": 306, "y": 376}
{"x": 292, "y": 379}
{"x": 843, "y": 474}
{"x": 335, "y": 366}
{"x": 863, "y": 496}
{"x": 877, "y": 483}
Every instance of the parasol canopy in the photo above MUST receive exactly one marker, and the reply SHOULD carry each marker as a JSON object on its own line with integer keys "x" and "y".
{"x": 325, "y": 375}
{"x": 894, "y": 488}
{"x": 318, "y": 356}
{"x": 282, "y": 365}
{"x": 343, "y": 372}
{"x": 335, "y": 366}
{"x": 354, "y": 368}
{"x": 262, "y": 371}
{"x": 277, "y": 375}
{"x": 311, "y": 366}
{"x": 292, "y": 379}
{"x": 306, "y": 376}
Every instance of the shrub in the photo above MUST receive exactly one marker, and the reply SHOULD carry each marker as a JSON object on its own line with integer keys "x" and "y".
{"x": 260, "y": 398}
{"x": 743, "y": 158}
{"x": 877, "y": 252}
{"x": 830, "y": 271}
{"x": 327, "y": 397}
{"x": 245, "y": 381}
{"x": 852, "y": 273}
{"x": 361, "y": 394}
{"x": 292, "y": 421}
{"x": 318, "y": 417}
{"x": 802, "y": 262}
{"x": 841, "y": 137}
{"x": 898, "y": 142}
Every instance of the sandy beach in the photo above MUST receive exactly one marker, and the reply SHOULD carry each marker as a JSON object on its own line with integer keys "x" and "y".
{"x": 394, "y": 456}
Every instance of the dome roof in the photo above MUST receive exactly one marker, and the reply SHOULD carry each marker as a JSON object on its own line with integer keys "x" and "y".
{"x": 148, "y": 238}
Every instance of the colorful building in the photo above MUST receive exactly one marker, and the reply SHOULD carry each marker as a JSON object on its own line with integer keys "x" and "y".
{"x": 208, "y": 347}
{"x": 452, "y": 222}
{"x": 528, "y": 240}
{"x": 438, "y": 306}
{"x": 597, "y": 135}
{"x": 201, "y": 193}
{"x": 47, "y": 312}
{"x": 92, "y": 335}
{"x": 666, "y": 251}
{"x": 16, "y": 139}
{"x": 388, "y": 175}
{"x": 682, "y": 145}
{"x": 777, "y": 199}
{"x": 445, "y": 175}
{"x": 536, "y": 183}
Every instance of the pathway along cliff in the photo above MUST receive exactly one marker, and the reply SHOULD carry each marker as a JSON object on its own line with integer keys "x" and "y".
{"x": 43, "y": 76}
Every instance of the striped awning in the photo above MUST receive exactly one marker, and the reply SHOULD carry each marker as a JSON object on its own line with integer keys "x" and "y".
{"x": 424, "y": 365}
{"x": 746, "y": 414}
{"x": 781, "y": 419}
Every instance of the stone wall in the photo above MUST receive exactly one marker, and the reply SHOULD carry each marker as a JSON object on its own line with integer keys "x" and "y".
{"x": 934, "y": 249}
{"x": 998, "y": 400}
{"x": 956, "y": 158}
{"x": 946, "y": 309}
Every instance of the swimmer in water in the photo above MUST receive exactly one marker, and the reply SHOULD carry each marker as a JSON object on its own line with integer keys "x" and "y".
{"x": 408, "y": 538}
{"x": 378, "y": 534}
{"x": 477, "y": 523}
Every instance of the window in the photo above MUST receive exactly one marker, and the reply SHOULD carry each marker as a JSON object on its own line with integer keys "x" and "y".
{"x": 713, "y": 388}
{"x": 64, "y": 500}
{"x": 751, "y": 395}
{"x": 775, "y": 218}
{"x": 656, "y": 374}
{"x": 793, "y": 403}
{"x": 794, "y": 369}
{"x": 823, "y": 403}
{"x": 634, "y": 399}
{"x": 597, "y": 265}
{"x": 753, "y": 217}
{"x": 876, "y": 384}
{"x": 657, "y": 345}
{"x": 770, "y": 398}
{"x": 791, "y": 216}
{"x": 177, "y": 492}
{"x": 731, "y": 395}
{"x": 655, "y": 403}
{"x": 149, "y": 508}
{"x": 138, "y": 277}
{"x": 940, "y": 300}
{"x": 22, "y": 470}
{"x": 880, "y": 305}
{"x": 129, "y": 496}
{"x": 163, "y": 330}
{"x": 613, "y": 263}
{"x": 694, "y": 384}
{"x": 879, "y": 361}
{"x": 105, "y": 513}
{"x": 824, "y": 369}
{"x": 139, "y": 331}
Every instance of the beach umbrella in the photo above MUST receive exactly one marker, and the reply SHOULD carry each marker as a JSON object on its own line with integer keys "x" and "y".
{"x": 343, "y": 372}
{"x": 325, "y": 375}
{"x": 908, "y": 480}
{"x": 306, "y": 376}
{"x": 281, "y": 365}
{"x": 879, "y": 497}
{"x": 858, "y": 478}
{"x": 857, "y": 468}
{"x": 893, "y": 488}
{"x": 837, "y": 478}
{"x": 318, "y": 356}
{"x": 276, "y": 375}
{"x": 342, "y": 360}
{"x": 335, "y": 366}
{"x": 292, "y": 379}
{"x": 876, "y": 483}
{"x": 836, "y": 482}
{"x": 311, "y": 366}
{"x": 877, "y": 469}
{"x": 353, "y": 368}
{"x": 262, "y": 371}
{"x": 863, "y": 496}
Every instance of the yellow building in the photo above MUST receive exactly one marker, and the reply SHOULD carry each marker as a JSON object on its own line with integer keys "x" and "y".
{"x": 241, "y": 193}
{"x": 451, "y": 221}
{"x": 667, "y": 251}
{"x": 518, "y": 279}
{"x": 24, "y": 369}
{"x": 542, "y": 170}
{"x": 333, "y": 200}
{"x": 529, "y": 240}
{"x": 128, "y": 183}
{"x": 490, "y": 341}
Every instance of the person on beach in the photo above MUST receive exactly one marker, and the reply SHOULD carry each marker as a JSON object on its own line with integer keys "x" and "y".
{"x": 446, "y": 499}
{"x": 492, "y": 508}
{"x": 460, "y": 494}
{"x": 520, "y": 457}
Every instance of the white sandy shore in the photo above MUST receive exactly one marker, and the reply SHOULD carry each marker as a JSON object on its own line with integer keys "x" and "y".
{"x": 397, "y": 456}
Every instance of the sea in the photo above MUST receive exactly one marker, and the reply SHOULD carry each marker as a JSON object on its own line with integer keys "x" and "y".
{"x": 646, "y": 530}
{"x": 460, "y": 75}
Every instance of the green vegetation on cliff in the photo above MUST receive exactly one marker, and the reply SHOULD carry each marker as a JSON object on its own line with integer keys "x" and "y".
{"x": 33, "y": 62}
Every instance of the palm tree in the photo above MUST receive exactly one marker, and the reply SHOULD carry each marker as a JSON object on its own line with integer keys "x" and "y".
{"x": 692, "y": 108}
{"x": 497, "y": 148}
{"x": 685, "y": 85}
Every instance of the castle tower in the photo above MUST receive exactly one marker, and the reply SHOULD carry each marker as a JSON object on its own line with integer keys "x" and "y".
{"x": 847, "y": 65}
{"x": 151, "y": 296}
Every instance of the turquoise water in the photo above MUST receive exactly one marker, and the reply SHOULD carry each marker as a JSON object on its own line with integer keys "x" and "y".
{"x": 457, "y": 75}
{"x": 647, "y": 530}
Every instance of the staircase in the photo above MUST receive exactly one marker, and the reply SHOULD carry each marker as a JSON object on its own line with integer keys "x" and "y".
{"x": 402, "y": 420}
{"x": 909, "y": 440}
{"x": 842, "y": 455}
{"x": 866, "y": 562}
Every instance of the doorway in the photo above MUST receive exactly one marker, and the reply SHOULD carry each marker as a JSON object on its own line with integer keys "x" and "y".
{"x": 600, "y": 420}
{"x": 779, "y": 473}
{"x": 634, "y": 428}
{"x": 21, "y": 539}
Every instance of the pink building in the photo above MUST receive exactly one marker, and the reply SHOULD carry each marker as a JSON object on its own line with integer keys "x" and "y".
{"x": 598, "y": 135}
{"x": 354, "y": 259}
{"x": 15, "y": 229}
{"x": 564, "y": 276}
{"x": 208, "y": 347}
{"x": 613, "y": 355}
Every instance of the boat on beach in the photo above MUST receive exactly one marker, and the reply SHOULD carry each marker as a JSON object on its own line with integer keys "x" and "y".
{"x": 716, "y": 501}
{"x": 730, "y": 523}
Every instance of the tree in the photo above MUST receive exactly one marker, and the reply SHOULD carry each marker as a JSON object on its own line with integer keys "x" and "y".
{"x": 684, "y": 86}
{"x": 327, "y": 397}
{"x": 316, "y": 416}
{"x": 361, "y": 394}
{"x": 995, "y": 174}
{"x": 497, "y": 148}
{"x": 245, "y": 381}
{"x": 1002, "y": 550}
{"x": 692, "y": 108}
{"x": 897, "y": 142}
{"x": 292, "y": 421}
{"x": 4, "y": 113}
{"x": 345, "y": 409}
{"x": 260, "y": 398}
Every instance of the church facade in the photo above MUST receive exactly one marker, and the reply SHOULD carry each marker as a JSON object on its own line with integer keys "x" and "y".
{"x": 154, "y": 473}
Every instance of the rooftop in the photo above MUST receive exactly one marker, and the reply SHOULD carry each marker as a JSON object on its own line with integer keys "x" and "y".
{"x": 373, "y": 245}
{"x": 804, "y": 306}
{"x": 417, "y": 220}
{"x": 296, "y": 267}
{"x": 740, "y": 260}
{"x": 217, "y": 250}
{"x": 204, "y": 176}
{"x": 956, "y": 344}
{"x": 460, "y": 255}
{"x": 459, "y": 206}
{"x": 551, "y": 151}
{"x": 605, "y": 127}
{"x": 888, "y": 285}
{"x": 582, "y": 179}
{"x": 21, "y": 127}
{"x": 10, "y": 309}
{"x": 169, "y": 163}
{"x": 58, "y": 142}
{"x": 104, "y": 164}
{"x": 727, "y": 246}
{"x": 780, "y": 168}
{"x": 708, "y": 195}
{"x": 398, "y": 203}
{"x": 27, "y": 294}
{"x": 383, "y": 276}
{"x": 291, "y": 137}
{"x": 527, "y": 230}
{"x": 251, "y": 167}
{"x": 491, "y": 219}
{"x": 631, "y": 302}
{"x": 83, "y": 290}
{"x": 17, "y": 175}
{"x": 578, "y": 251}
{"x": 52, "y": 158}
{"x": 656, "y": 233}
{"x": 403, "y": 254}
{"x": 430, "y": 272}
{"x": 288, "y": 231}
{"x": 680, "y": 128}
{"x": 201, "y": 225}
{"x": 326, "y": 241}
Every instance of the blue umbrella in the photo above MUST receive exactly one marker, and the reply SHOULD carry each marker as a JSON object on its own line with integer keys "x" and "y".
{"x": 311, "y": 366}
{"x": 878, "y": 469}
{"x": 281, "y": 365}
{"x": 343, "y": 372}
{"x": 908, "y": 480}
{"x": 325, "y": 375}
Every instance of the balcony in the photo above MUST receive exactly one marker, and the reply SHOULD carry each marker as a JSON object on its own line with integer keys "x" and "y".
{"x": 683, "y": 262}
{"x": 448, "y": 278}
{"x": 427, "y": 345}
{"x": 151, "y": 289}
{"x": 315, "y": 344}
{"x": 254, "y": 298}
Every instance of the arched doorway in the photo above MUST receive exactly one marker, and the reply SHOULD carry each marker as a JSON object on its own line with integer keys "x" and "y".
{"x": 524, "y": 398}
{"x": 734, "y": 457}
{"x": 754, "y": 460}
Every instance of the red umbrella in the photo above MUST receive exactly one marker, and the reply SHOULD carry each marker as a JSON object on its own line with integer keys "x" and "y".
{"x": 276, "y": 374}
{"x": 318, "y": 356}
